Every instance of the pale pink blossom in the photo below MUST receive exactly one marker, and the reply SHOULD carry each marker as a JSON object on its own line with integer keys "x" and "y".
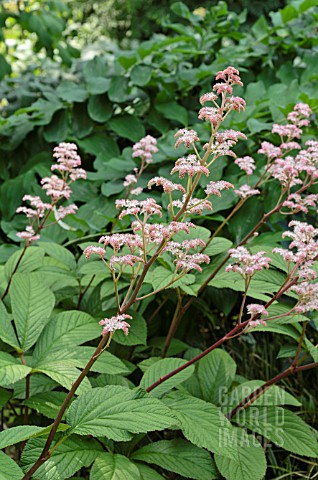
{"x": 130, "y": 180}
{"x": 124, "y": 260}
{"x": 189, "y": 165}
{"x": 190, "y": 262}
{"x": 290, "y": 146}
{"x": 256, "y": 323}
{"x": 136, "y": 191}
{"x": 308, "y": 297}
{"x": 246, "y": 191}
{"x": 230, "y": 75}
{"x": 285, "y": 171}
{"x": 92, "y": 249}
{"x": 247, "y": 264}
{"x": 56, "y": 187}
{"x": 220, "y": 88}
{"x": 62, "y": 212}
{"x": 195, "y": 205}
{"x": 208, "y": 97}
{"x": 290, "y": 131}
{"x": 269, "y": 150}
{"x": 116, "y": 323}
{"x": 156, "y": 233}
{"x": 230, "y": 135}
{"x": 119, "y": 240}
{"x": 134, "y": 207}
{"x": 256, "y": 309}
{"x": 28, "y": 235}
{"x": 235, "y": 103}
{"x": 167, "y": 185}
{"x": 145, "y": 149}
{"x": 186, "y": 136}
{"x": 246, "y": 163}
{"x": 297, "y": 203}
{"x": 211, "y": 114}
{"x": 214, "y": 188}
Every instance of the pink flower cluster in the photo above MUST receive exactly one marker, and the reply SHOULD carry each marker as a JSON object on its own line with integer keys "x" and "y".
{"x": 167, "y": 185}
{"x": 156, "y": 232}
{"x": 188, "y": 137}
{"x": 247, "y": 264}
{"x": 189, "y": 165}
{"x": 146, "y": 207}
{"x": 246, "y": 191}
{"x": 246, "y": 163}
{"x": 68, "y": 162}
{"x": 110, "y": 325}
{"x": 184, "y": 260}
{"x": 145, "y": 149}
{"x": 255, "y": 309}
{"x": 195, "y": 205}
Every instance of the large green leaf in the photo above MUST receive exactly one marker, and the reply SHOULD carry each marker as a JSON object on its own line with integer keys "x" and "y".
{"x": 64, "y": 373}
{"x": 161, "y": 368}
{"x": 7, "y": 333}
{"x": 63, "y": 333}
{"x": 31, "y": 260}
{"x": 128, "y": 126}
{"x": 9, "y": 470}
{"x": 147, "y": 473}
{"x": 73, "y": 454}
{"x": 59, "y": 253}
{"x": 178, "y": 456}
{"x": 46, "y": 403}
{"x": 114, "y": 467}
{"x": 105, "y": 363}
{"x": 11, "y": 370}
{"x": 202, "y": 423}
{"x": 249, "y": 463}
{"x": 14, "y": 435}
{"x": 115, "y": 411}
{"x": 71, "y": 92}
{"x": 218, "y": 245}
{"x": 32, "y": 304}
{"x": 282, "y": 427}
{"x": 272, "y": 396}
{"x": 100, "y": 109}
{"x": 141, "y": 74}
{"x": 216, "y": 372}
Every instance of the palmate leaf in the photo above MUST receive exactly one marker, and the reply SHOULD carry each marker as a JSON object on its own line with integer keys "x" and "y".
{"x": 114, "y": 467}
{"x": 9, "y": 470}
{"x": 11, "y": 370}
{"x": 14, "y": 435}
{"x": 249, "y": 462}
{"x": 161, "y": 368}
{"x": 178, "y": 456}
{"x": 201, "y": 423}
{"x": 282, "y": 427}
{"x": 115, "y": 412}
{"x": 64, "y": 332}
{"x": 32, "y": 304}
{"x": 73, "y": 454}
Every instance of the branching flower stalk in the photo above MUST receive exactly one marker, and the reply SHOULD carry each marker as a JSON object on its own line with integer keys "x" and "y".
{"x": 136, "y": 252}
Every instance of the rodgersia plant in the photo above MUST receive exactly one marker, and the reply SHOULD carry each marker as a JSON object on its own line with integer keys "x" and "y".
{"x": 164, "y": 249}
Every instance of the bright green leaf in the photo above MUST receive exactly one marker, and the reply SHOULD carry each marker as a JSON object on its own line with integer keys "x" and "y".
{"x": 114, "y": 467}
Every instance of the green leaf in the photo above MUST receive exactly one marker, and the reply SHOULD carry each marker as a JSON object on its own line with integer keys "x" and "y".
{"x": 128, "y": 126}
{"x": 31, "y": 261}
{"x": 99, "y": 108}
{"x": 99, "y": 145}
{"x": 201, "y": 423}
{"x": 115, "y": 412}
{"x": 57, "y": 130}
{"x": 71, "y": 92}
{"x": 72, "y": 455}
{"x": 59, "y": 253}
{"x": 147, "y": 473}
{"x": 9, "y": 470}
{"x": 32, "y": 304}
{"x": 118, "y": 89}
{"x": 14, "y": 435}
{"x": 178, "y": 456}
{"x": 114, "y": 467}
{"x": 141, "y": 75}
{"x": 249, "y": 463}
{"x": 282, "y": 427}
{"x": 64, "y": 373}
{"x": 256, "y": 126}
{"x": 173, "y": 111}
{"x": 160, "y": 277}
{"x": 63, "y": 333}
{"x": 216, "y": 372}
{"x": 5, "y": 396}
{"x": 11, "y": 369}
{"x": 106, "y": 363}
{"x": 218, "y": 245}
{"x": 7, "y": 334}
{"x": 97, "y": 85}
{"x": 161, "y": 368}
{"x": 46, "y": 403}
{"x": 273, "y": 396}
{"x": 137, "y": 331}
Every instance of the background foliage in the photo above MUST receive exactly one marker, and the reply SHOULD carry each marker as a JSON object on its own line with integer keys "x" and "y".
{"x": 79, "y": 78}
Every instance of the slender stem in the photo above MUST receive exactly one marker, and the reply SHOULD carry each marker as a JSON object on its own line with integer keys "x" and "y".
{"x": 247, "y": 282}
{"x": 45, "y": 455}
{"x": 173, "y": 326}
{"x": 238, "y": 328}
{"x": 252, "y": 397}
{"x": 300, "y": 344}
{"x": 82, "y": 293}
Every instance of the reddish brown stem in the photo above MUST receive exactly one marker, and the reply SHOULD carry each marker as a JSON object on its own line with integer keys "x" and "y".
{"x": 45, "y": 455}
{"x": 252, "y": 397}
{"x": 238, "y": 328}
